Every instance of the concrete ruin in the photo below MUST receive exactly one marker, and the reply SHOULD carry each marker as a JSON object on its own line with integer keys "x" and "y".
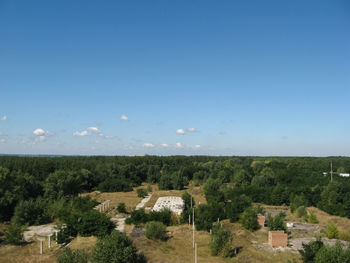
{"x": 104, "y": 206}
{"x": 174, "y": 203}
{"x": 278, "y": 238}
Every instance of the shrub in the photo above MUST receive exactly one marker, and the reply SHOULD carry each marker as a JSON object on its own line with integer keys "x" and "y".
{"x": 276, "y": 223}
{"x": 310, "y": 250}
{"x": 76, "y": 256}
{"x": 32, "y": 212}
{"x": 121, "y": 208}
{"x": 301, "y": 212}
{"x": 332, "y": 231}
{"x": 94, "y": 223}
{"x": 330, "y": 254}
{"x": 116, "y": 248}
{"x": 312, "y": 218}
{"x": 220, "y": 241}
{"x": 13, "y": 234}
{"x": 141, "y": 192}
{"x": 137, "y": 217}
{"x": 249, "y": 219}
{"x": 155, "y": 230}
{"x": 163, "y": 216}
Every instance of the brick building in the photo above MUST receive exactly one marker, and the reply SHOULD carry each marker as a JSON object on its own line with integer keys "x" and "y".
{"x": 278, "y": 239}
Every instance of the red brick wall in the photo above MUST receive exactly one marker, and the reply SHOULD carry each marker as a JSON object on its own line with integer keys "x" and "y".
{"x": 278, "y": 239}
{"x": 261, "y": 220}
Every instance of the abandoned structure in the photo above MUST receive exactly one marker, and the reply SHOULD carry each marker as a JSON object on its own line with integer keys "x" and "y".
{"x": 261, "y": 220}
{"x": 278, "y": 238}
{"x": 174, "y": 203}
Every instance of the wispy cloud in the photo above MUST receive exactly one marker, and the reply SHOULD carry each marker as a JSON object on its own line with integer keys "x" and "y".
{"x": 191, "y": 129}
{"x": 124, "y": 118}
{"x": 164, "y": 145}
{"x": 197, "y": 146}
{"x": 4, "y": 118}
{"x": 148, "y": 145}
{"x": 90, "y": 131}
{"x": 180, "y": 131}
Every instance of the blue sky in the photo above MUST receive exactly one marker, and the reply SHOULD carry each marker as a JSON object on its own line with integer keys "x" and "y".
{"x": 190, "y": 77}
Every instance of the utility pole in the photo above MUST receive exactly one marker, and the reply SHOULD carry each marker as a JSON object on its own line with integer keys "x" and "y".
{"x": 195, "y": 253}
{"x": 193, "y": 226}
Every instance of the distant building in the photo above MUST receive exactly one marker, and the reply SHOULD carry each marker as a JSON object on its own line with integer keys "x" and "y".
{"x": 278, "y": 239}
{"x": 344, "y": 175}
{"x": 174, "y": 203}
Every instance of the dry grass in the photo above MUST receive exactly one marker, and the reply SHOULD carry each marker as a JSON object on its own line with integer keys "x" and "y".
{"x": 85, "y": 243}
{"x": 342, "y": 223}
{"x": 28, "y": 253}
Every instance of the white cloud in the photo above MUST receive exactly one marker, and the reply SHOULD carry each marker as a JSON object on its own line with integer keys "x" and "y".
{"x": 191, "y": 129}
{"x": 83, "y": 133}
{"x": 148, "y": 145}
{"x": 178, "y": 145}
{"x": 180, "y": 131}
{"x": 4, "y": 118}
{"x": 40, "y": 132}
{"x": 197, "y": 146}
{"x": 94, "y": 130}
{"x": 124, "y": 118}
{"x": 164, "y": 145}
{"x": 2, "y": 140}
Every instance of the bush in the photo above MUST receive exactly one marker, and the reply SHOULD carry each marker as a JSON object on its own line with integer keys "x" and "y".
{"x": 155, "y": 230}
{"x": 137, "y": 217}
{"x": 76, "y": 256}
{"x": 310, "y": 250}
{"x": 249, "y": 219}
{"x": 94, "y": 223}
{"x": 163, "y": 216}
{"x": 301, "y": 212}
{"x": 330, "y": 254}
{"x": 13, "y": 234}
{"x": 312, "y": 218}
{"x": 32, "y": 212}
{"x": 332, "y": 231}
{"x": 116, "y": 248}
{"x": 141, "y": 192}
{"x": 220, "y": 241}
{"x": 276, "y": 223}
{"x": 121, "y": 208}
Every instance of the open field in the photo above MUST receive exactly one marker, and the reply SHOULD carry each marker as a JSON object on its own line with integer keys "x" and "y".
{"x": 178, "y": 248}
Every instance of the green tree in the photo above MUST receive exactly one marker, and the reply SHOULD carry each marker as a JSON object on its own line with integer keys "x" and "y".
{"x": 155, "y": 230}
{"x": 13, "y": 234}
{"x": 220, "y": 241}
{"x": 310, "y": 250}
{"x": 116, "y": 248}
{"x": 76, "y": 256}
{"x": 141, "y": 192}
{"x": 249, "y": 219}
{"x": 276, "y": 223}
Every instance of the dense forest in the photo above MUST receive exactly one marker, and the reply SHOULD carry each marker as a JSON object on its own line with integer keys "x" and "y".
{"x": 269, "y": 180}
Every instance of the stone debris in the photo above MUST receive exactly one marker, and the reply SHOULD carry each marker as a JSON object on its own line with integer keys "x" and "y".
{"x": 143, "y": 202}
{"x": 174, "y": 203}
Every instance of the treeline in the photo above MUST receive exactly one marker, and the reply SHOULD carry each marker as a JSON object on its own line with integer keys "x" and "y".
{"x": 269, "y": 180}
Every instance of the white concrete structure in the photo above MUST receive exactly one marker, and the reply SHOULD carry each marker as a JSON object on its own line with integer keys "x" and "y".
{"x": 344, "y": 175}
{"x": 290, "y": 224}
{"x": 174, "y": 203}
{"x": 43, "y": 230}
{"x": 143, "y": 202}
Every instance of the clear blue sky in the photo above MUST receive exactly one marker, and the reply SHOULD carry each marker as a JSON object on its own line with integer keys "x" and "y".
{"x": 251, "y": 77}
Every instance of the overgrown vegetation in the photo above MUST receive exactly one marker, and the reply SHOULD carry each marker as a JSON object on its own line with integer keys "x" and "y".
{"x": 220, "y": 241}
{"x": 156, "y": 230}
